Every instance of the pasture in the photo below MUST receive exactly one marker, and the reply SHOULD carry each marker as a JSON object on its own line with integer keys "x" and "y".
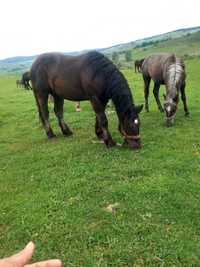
{"x": 55, "y": 192}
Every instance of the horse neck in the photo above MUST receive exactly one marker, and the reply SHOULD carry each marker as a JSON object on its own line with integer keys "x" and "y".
{"x": 118, "y": 90}
{"x": 171, "y": 92}
{"x": 122, "y": 100}
{"x": 174, "y": 74}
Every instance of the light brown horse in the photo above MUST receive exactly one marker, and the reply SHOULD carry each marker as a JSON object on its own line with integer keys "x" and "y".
{"x": 92, "y": 77}
{"x": 169, "y": 70}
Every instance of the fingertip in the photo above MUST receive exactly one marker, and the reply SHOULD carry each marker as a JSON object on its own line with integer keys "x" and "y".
{"x": 29, "y": 249}
{"x": 23, "y": 256}
{"x": 30, "y": 245}
{"x": 57, "y": 263}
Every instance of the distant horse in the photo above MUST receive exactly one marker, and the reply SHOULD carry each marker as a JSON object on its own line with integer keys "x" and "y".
{"x": 25, "y": 80}
{"x": 19, "y": 83}
{"x": 169, "y": 70}
{"x": 138, "y": 64}
{"x": 78, "y": 106}
{"x": 92, "y": 77}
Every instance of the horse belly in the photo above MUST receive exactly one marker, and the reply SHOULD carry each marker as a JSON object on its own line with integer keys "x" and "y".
{"x": 69, "y": 90}
{"x": 156, "y": 75}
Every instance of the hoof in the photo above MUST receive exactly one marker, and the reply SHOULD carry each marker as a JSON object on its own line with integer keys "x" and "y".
{"x": 169, "y": 124}
{"x": 187, "y": 114}
{"x": 51, "y": 135}
{"x": 67, "y": 133}
{"x": 111, "y": 143}
{"x": 99, "y": 136}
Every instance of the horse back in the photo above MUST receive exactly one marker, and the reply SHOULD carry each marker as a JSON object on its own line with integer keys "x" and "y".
{"x": 67, "y": 76}
{"x": 155, "y": 66}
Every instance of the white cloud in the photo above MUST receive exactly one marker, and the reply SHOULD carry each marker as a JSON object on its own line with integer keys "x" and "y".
{"x": 35, "y": 26}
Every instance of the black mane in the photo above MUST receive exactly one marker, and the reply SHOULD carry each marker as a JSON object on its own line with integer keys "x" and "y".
{"x": 116, "y": 86}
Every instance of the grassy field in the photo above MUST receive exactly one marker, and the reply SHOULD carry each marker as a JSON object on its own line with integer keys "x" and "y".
{"x": 56, "y": 192}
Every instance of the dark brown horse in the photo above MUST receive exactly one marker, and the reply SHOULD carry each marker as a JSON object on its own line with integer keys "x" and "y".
{"x": 91, "y": 77}
{"x": 169, "y": 70}
{"x": 25, "y": 80}
{"x": 138, "y": 64}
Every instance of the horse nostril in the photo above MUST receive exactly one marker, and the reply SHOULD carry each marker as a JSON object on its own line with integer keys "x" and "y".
{"x": 136, "y": 144}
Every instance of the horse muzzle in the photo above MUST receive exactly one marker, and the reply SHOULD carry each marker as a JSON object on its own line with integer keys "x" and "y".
{"x": 133, "y": 143}
{"x": 169, "y": 121}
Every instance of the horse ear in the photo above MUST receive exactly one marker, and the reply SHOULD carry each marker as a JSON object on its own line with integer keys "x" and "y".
{"x": 139, "y": 108}
{"x": 164, "y": 96}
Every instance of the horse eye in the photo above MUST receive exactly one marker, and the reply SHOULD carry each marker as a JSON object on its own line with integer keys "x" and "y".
{"x": 175, "y": 98}
{"x": 136, "y": 121}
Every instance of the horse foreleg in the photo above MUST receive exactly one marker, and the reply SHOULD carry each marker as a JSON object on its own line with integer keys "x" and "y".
{"x": 42, "y": 103}
{"x": 156, "y": 95}
{"x": 146, "y": 91}
{"x": 183, "y": 97}
{"x": 58, "y": 109}
{"x": 98, "y": 129}
{"x": 101, "y": 125}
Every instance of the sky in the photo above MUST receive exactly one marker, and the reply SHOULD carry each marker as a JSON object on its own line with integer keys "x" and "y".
{"x": 31, "y": 27}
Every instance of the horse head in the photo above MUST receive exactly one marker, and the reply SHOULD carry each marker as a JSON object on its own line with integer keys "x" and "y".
{"x": 170, "y": 107}
{"x": 129, "y": 127}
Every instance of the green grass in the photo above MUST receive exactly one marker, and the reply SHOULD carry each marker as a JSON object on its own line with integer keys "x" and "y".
{"x": 55, "y": 192}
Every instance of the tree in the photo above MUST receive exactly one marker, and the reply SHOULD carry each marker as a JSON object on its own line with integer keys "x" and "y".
{"x": 128, "y": 55}
{"x": 115, "y": 57}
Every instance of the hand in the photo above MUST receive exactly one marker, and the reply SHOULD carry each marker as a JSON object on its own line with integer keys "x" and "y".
{"x": 22, "y": 258}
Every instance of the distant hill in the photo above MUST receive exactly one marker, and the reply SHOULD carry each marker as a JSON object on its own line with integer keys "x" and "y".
{"x": 161, "y": 37}
{"x": 185, "y": 47}
{"x": 183, "y": 42}
{"x": 19, "y": 59}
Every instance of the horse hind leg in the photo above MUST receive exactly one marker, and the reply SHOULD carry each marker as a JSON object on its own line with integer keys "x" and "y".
{"x": 58, "y": 109}
{"x": 146, "y": 91}
{"x": 42, "y": 103}
{"x": 156, "y": 95}
{"x": 183, "y": 97}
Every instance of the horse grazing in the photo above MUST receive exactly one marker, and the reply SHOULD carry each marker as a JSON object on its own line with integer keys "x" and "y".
{"x": 25, "y": 80}
{"x": 138, "y": 64}
{"x": 169, "y": 70}
{"x": 19, "y": 83}
{"x": 92, "y": 77}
